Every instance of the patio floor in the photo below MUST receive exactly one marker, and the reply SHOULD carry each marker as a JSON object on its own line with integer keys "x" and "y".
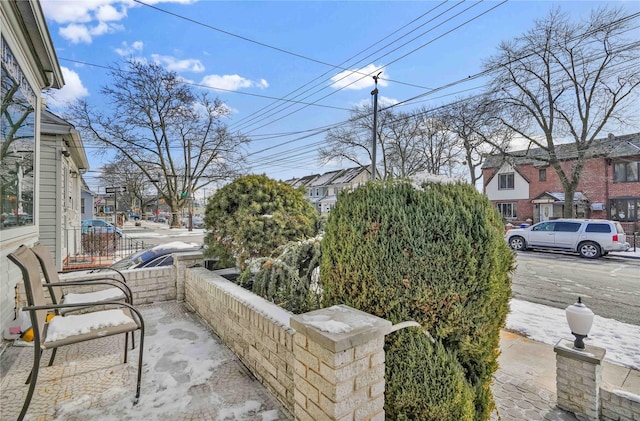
{"x": 188, "y": 374}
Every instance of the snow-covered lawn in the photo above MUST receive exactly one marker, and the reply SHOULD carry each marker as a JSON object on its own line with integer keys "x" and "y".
{"x": 549, "y": 324}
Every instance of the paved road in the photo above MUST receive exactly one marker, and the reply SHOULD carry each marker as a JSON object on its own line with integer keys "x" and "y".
{"x": 609, "y": 286}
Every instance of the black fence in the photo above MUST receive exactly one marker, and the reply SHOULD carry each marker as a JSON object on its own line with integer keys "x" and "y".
{"x": 100, "y": 248}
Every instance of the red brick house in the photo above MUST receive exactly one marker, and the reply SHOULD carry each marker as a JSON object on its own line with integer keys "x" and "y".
{"x": 524, "y": 187}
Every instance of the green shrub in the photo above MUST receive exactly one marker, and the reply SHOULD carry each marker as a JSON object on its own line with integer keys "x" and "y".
{"x": 254, "y": 215}
{"x": 434, "y": 255}
{"x": 435, "y": 390}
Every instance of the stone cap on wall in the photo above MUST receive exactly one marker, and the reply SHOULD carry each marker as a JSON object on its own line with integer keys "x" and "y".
{"x": 340, "y": 327}
{"x": 591, "y": 354}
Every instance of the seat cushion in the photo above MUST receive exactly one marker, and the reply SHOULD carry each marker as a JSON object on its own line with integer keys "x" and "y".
{"x": 77, "y": 328}
{"x": 109, "y": 294}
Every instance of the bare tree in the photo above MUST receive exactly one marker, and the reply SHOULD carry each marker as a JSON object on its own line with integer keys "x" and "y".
{"x": 408, "y": 143}
{"x": 121, "y": 172}
{"x": 169, "y": 132}
{"x": 566, "y": 81}
{"x": 435, "y": 146}
{"x": 352, "y": 142}
{"x": 472, "y": 121}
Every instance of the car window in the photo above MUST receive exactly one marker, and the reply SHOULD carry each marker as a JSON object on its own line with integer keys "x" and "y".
{"x": 598, "y": 228}
{"x": 545, "y": 226}
{"x": 160, "y": 261}
{"x": 567, "y": 226}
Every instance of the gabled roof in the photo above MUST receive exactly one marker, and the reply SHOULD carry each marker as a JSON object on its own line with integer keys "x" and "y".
{"x": 346, "y": 176}
{"x": 325, "y": 179}
{"x": 609, "y": 147}
{"x": 559, "y": 196}
{"x": 498, "y": 171}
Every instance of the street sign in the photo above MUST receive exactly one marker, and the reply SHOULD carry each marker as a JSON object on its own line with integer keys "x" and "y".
{"x": 121, "y": 189}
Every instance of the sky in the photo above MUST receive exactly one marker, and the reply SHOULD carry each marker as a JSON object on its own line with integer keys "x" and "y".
{"x": 320, "y": 56}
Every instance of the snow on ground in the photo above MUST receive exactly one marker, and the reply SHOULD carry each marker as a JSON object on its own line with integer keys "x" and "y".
{"x": 549, "y": 324}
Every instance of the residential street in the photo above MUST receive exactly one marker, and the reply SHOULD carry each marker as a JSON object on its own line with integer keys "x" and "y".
{"x": 609, "y": 286}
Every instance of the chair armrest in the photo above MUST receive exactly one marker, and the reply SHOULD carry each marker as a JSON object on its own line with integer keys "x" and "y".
{"x": 96, "y": 270}
{"x": 115, "y": 283}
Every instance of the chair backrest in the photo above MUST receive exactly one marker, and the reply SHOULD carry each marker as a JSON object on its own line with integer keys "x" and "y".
{"x": 26, "y": 260}
{"x": 49, "y": 270}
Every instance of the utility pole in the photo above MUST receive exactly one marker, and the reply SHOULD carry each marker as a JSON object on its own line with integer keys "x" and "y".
{"x": 189, "y": 186}
{"x": 375, "y": 126}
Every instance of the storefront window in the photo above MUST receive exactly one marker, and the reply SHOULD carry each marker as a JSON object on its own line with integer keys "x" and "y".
{"x": 17, "y": 147}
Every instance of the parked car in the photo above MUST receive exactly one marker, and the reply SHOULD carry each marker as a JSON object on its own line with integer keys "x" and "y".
{"x": 160, "y": 255}
{"x": 20, "y": 219}
{"x": 591, "y": 238}
{"x": 134, "y": 216}
{"x": 98, "y": 225}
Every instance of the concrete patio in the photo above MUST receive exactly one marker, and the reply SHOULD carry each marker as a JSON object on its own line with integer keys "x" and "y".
{"x": 188, "y": 374}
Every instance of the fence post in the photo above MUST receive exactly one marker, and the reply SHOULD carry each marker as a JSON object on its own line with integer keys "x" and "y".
{"x": 578, "y": 379}
{"x": 339, "y": 364}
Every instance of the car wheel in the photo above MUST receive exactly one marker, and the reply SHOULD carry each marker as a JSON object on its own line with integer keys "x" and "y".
{"x": 589, "y": 250}
{"x": 517, "y": 243}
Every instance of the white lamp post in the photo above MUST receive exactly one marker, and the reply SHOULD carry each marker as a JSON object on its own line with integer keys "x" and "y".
{"x": 580, "y": 319}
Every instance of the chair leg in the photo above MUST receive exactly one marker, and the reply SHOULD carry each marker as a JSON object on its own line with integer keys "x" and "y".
{"x": 126, "y": 346}
{"x": 53, "y": 356}
{"x": 140, "y": 363}
{"x": 133, "y": 340}
{"x": 32, "y": 386}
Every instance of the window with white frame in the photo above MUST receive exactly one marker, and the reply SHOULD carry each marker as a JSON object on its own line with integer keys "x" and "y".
{"x": 508, "y": 210}
{"x": 506, "y": 181}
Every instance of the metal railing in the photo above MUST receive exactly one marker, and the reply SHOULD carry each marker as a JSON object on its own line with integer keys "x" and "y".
{"x": 95, "y": 249}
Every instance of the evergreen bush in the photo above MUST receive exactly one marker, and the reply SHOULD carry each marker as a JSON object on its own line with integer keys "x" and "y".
{"x": 435, "y": 255}
{"x": 290, "y": 279}
{"x": 436, "y": 389}
{"x": 253, "y": 215}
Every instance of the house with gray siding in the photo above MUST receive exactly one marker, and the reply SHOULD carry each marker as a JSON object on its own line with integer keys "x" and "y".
{"x": 29, "y": 65}
{"x": 63, "y": 162}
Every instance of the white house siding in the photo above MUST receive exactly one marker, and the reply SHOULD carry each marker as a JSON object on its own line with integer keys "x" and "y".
{"x": 20, "y": 36}
{"x": 51, "y": 220}
{"x": 520, "y": 186}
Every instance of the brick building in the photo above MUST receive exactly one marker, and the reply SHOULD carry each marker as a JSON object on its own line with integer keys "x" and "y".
{"x": 525, "y": 187}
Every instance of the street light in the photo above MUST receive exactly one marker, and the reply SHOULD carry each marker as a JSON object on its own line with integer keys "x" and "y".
{"x": 580, "y": 319}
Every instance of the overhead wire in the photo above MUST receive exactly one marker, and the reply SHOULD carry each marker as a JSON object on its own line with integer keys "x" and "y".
{"x": 335, "y": 91}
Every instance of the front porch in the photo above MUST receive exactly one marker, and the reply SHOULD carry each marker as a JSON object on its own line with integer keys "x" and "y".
{"x": 188, "y": 374}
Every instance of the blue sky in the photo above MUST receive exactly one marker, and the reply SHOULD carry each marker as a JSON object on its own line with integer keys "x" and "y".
{"x": 250, "y": 53}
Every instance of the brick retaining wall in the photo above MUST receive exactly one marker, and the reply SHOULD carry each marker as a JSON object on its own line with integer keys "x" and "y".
{"x": 256, "y": 330}
{"x": 617, "y": 405}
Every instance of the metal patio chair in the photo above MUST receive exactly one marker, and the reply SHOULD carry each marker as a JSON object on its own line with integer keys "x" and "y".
{"x": 119, "y": 290}
{"x": 122, "y": 317}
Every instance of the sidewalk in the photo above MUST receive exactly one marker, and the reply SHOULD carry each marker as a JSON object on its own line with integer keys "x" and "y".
{"x": 525, "y": 387}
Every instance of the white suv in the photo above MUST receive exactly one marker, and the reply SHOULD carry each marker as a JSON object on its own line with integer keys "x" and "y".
{"x": 591, "y": 238}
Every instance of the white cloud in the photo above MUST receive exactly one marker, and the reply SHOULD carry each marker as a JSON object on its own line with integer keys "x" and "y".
{"x": 357, "y": 79}
{"x": 108, "y": 13}
{"x": 175, "y": 65}
{"x": 83, "y": 20}
{"x": 73, "y": 89}
{"x": 383, "y": 101}
{"x": 76, "y": 33}
{"x": 232, "y": 82}
{"x": 128, "y": 50}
